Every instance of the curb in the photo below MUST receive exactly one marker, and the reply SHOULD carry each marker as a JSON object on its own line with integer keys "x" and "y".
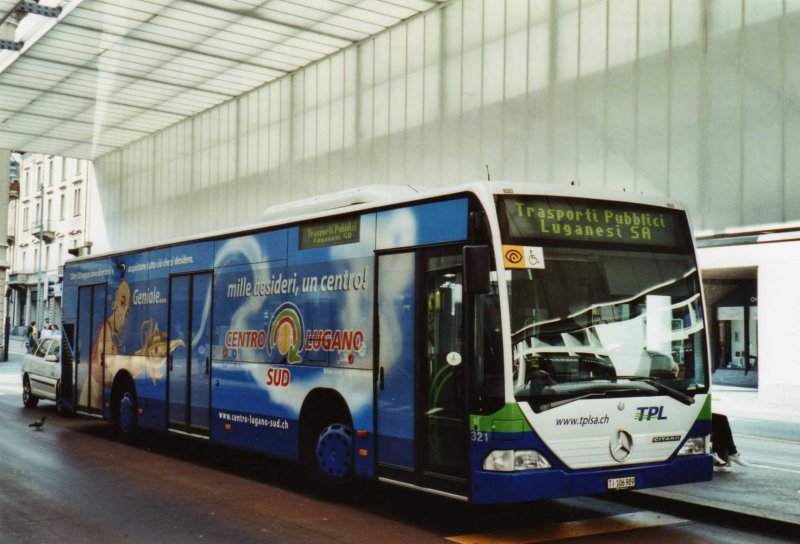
{"x": 705, "y": 511}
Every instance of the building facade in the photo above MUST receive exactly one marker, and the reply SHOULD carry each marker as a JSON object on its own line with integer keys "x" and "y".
{"x": 49, "y": 220}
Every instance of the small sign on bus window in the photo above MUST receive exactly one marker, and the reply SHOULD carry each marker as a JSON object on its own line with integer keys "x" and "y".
{"x": 523, "y": 257}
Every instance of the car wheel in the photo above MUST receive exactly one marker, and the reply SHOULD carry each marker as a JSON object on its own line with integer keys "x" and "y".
{"x": 28, "y": 399}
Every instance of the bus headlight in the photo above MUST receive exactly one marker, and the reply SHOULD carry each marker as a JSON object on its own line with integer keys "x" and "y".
{"x": 694, "y": 446}
{"x": 515, "y": 460}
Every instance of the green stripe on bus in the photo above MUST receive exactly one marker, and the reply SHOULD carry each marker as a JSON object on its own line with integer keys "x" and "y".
{"x": 508, "y": 419}
{"x": 705, "y": 413}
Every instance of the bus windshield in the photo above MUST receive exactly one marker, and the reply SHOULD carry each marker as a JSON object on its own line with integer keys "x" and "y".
{"x": 592, "y": 317}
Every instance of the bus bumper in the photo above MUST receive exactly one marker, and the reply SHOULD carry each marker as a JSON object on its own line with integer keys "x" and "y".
{"x": 509, "y": 487}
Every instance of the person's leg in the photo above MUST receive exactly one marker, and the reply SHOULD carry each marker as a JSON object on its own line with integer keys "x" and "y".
{"x": 721, "y": 437}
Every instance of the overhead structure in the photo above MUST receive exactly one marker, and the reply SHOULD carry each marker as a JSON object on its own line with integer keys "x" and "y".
{"x": 80, "y": 78}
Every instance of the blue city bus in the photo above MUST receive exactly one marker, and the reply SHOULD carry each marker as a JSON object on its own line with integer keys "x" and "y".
{"x": 491, "y": 342}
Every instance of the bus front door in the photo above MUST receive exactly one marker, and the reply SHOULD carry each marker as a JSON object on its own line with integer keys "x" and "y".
{"x": 189, "y": 367}
{"x": 421, "y": 393}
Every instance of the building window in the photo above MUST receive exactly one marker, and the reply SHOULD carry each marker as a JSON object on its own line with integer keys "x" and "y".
{"x": 36, "y": 259}
{"x": 25, "y": 218}
{"x": 60, "y": 254}
{"x": 39, "y": 178}
{"x": 49, "y": 213}
{"x": 76, "y": 202}
{"x": 47, "y": 257}
{"x": 733, "y": 327}
{"x": 27, "y": 182}
{"x": 63, "y": 205}
{"x": 78, "y": 167}
{"x": 22, "y": 264}
{"x": 50, "y": 172}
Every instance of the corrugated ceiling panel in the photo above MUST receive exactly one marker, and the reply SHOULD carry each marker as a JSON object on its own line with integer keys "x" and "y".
{"x": 14, "y": 98}
{"x": 12, "y": 140}
{"x": 48, "y": 104}
{"x": 113, "y": 71}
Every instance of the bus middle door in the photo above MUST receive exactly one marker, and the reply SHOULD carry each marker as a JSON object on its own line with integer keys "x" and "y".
{"x": 189, "y": 365}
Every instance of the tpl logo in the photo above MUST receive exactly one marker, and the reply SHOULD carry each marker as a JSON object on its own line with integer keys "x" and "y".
{"x": 646, "y": 413}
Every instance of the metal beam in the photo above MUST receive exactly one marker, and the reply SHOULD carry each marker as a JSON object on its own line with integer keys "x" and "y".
{"x": 34, "y": 8}
{"x": 11, "y": 46}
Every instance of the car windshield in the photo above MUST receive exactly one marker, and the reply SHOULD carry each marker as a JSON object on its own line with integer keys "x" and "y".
{"x": 593, "y": 317}
{"x": 41, "y": 348}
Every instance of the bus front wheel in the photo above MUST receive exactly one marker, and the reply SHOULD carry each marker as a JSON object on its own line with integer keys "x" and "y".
{"x": 333, "y": 453}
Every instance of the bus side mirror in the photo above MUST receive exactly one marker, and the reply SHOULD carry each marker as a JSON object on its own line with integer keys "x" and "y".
{"x": 476, "y": 269}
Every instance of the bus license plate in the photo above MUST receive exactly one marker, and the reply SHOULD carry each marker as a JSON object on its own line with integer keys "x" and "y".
{"x": 622, "y": 483}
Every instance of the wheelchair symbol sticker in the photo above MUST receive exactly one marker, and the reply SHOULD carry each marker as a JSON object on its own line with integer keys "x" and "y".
{"x": 523, "y": 257}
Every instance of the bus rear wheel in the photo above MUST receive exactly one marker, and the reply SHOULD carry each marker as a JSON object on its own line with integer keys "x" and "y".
{"x": 125, "y": 413}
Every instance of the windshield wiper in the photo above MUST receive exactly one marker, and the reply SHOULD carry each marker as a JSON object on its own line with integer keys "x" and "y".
{"x": 562, "y": 402}
{"x": 674, "y": 393}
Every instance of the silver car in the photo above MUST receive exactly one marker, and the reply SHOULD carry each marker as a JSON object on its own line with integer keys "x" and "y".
{"x": 41, "y": 372}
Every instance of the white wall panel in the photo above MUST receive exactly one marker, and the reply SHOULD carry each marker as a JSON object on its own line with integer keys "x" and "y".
{"x": 724, "y": 17}
{"x": 696, "y": 100}
{"x": 515, "y": 58}
{"x": 686, "y": 109}
{"x": 622, "y": 32}
{"x": 763, "y": 113}
{"x": 723, "y": 110}
{"x": 593, "y": 38}
{"x": 493, "y": 54}
{"x": 567, "y": 33}
{"x": 540, "y": 45}
{"x": 414, "y": 103}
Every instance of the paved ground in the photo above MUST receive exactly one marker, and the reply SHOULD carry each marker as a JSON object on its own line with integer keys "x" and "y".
{"x": 15, "y": 346}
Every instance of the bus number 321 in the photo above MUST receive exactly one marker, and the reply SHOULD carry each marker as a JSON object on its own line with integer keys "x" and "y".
{"x": 479, "y": 436}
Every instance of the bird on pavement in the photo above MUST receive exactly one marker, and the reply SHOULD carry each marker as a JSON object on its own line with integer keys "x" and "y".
{"x": 38, "y": 423}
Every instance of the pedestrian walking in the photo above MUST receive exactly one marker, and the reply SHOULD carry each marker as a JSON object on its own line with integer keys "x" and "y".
{"x": 28, "y": 339}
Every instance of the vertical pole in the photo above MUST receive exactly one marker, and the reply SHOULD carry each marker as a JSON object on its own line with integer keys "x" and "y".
{"x": 40, "y": 296}
{"x": 5, "y": 178}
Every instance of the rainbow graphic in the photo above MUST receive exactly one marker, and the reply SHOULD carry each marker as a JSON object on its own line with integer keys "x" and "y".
{"x": 286, "y": 332}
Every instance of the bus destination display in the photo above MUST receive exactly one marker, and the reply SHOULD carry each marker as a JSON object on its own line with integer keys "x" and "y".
{"x": 591, "y": 221}
{"x": 330, "y": 233}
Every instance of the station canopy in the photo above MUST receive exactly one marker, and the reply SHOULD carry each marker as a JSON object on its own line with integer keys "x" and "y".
{"x": 80, "y": 78}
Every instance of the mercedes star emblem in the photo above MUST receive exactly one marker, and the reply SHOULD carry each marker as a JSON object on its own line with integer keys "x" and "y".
{"x": 621, "y": 445}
